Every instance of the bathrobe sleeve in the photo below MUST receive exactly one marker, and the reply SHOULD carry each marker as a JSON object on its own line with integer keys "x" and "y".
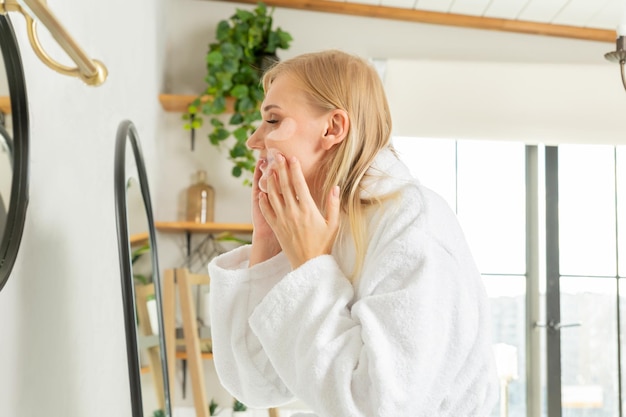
{"x": 413, "y": 341}
{"x": 241, "y": 364}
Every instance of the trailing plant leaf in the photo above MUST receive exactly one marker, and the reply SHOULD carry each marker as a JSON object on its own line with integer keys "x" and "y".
{"x": 137, "y": 253}
{"x": 219, "y": 134}
{"x": 239, "y": 91}
{"x": 229, "y": 237}
{"x": 141, "y": 278}
{"x": 236, "y": 119}
{"x": 241, "y": 134}
{"x": 213, "y": 407}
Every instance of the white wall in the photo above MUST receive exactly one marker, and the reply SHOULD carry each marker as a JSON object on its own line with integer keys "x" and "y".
{"x": 526, "y": 102}
{"x": 62, "y": 348}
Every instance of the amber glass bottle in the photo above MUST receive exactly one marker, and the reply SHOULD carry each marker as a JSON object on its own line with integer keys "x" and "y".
{"x": 200, "y": 200}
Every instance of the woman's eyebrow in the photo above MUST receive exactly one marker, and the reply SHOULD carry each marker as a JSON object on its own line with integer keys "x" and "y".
{"x": 270, "y": 106}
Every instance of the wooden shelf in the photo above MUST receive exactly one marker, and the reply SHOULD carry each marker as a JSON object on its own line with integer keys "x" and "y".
{"x": 5, "y": 104}
{"x": 178, "y": 103}
{"x": 139, "y": 239}
{"x": 191, "y": 227}
{"x": 181, "y": 354}
{"x": 175, "y": 102}
{"x": 356, "y": 8}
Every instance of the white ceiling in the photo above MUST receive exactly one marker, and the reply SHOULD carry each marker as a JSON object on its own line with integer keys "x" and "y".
{"x": 601, "y": 14}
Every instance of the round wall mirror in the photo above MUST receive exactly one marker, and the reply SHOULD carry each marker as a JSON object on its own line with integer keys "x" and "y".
{"x": 13, "y": 150}
{"x": 140, "y": 279}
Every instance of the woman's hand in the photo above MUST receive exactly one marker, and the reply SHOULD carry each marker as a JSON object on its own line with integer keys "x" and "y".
{"x": 292, "y": 213}
{"x": 264, "y": 242}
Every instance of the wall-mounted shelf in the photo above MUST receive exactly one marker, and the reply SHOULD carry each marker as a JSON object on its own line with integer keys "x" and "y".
{"x": 182, "y": 354}
{"x": 5, "y": 104}
{"x": 175, "y": 102}
{"x": 139, "y": 239}
{"x": 207, "y": 228}
{"x": 178, "y": 103}
{"x": 191, "y": 227}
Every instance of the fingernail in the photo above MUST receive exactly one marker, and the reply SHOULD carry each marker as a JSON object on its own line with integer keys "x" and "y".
{"x": 336, "y": 191}
{"x": 280, "y": 157}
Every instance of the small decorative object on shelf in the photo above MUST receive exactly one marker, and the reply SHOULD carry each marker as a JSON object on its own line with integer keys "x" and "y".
{"x": 200, "y": 200}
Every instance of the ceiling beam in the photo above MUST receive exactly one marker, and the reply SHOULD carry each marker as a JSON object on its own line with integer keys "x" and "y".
{"x": 437, "y": 18}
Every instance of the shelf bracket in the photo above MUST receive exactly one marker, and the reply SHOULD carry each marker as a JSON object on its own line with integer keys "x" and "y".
{"x": 184, "y": 383}
{"x": 188, "y": 235}
{"x": 193, "y": 133}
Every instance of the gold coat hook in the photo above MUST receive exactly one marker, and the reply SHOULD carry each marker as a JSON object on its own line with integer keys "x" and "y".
{"x": 91, "y": 71}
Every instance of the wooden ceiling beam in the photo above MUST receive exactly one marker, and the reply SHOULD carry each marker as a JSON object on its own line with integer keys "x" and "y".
{"x": 447, "y": 19}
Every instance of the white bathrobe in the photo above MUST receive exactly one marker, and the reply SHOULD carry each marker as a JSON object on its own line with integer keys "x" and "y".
{"x": 411, "y": 337}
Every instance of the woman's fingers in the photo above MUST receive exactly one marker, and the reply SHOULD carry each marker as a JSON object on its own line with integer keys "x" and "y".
{"x": 301, "y": 190}
{"x": 285, "y": 186}
{"x": 256, "y": 177}
{"x": 274, "y": 198}
{"x": 267, "y": 209}
{"x": 290, "y": 210}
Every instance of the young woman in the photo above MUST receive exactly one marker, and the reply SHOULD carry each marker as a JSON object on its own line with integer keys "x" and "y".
{"x": 358, "y": 294}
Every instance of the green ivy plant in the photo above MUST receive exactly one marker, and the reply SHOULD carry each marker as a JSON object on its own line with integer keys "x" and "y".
{"x": 245, "y": 46}
{"x": 136, "y": 254}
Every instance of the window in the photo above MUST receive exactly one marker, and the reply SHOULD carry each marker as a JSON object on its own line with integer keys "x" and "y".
{"x": 591, "y": 218}
{"x": 485, "y": 183}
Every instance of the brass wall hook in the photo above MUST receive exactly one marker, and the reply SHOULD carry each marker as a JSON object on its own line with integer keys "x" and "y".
{"x": 91, "y": 71}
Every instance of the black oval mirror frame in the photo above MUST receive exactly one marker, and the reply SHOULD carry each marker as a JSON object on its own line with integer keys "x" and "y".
{"x": 127, "y": 132}
{"x": 12, "y": 234}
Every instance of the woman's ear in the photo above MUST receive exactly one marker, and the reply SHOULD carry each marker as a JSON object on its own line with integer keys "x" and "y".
{"x": 337, "y": 128}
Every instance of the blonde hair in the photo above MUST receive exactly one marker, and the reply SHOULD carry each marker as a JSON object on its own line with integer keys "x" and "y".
{"x": 337, "y": 80}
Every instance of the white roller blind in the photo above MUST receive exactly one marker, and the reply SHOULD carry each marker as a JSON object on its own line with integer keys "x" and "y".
{"x": 533, "y": 103}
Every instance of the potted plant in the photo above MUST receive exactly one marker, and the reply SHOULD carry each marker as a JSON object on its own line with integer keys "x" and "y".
{"x": 239, "y": 408}
{"x": 245, "y": 46}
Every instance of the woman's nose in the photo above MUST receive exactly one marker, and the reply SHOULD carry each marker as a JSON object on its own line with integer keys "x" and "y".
{"x": 255, "y": 141}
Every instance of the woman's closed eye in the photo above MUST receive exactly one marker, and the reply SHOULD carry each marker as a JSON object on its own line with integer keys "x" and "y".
{"x": 272, "y": 121}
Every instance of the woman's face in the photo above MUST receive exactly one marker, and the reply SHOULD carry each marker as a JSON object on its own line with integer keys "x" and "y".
{"x": 291, "y": 126}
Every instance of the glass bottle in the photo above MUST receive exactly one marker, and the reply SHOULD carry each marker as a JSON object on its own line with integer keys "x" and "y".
{"x": 200, "y": 200}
